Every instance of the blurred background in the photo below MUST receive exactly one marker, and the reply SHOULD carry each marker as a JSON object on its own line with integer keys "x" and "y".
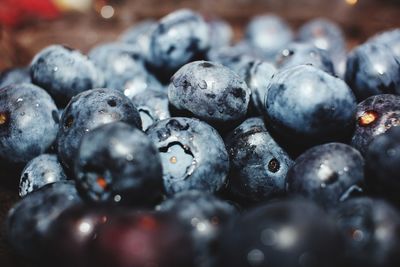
{"x": 26, "y": 26}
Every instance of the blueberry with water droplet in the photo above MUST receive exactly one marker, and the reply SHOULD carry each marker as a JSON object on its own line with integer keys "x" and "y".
{"x": 64, "y": 72}
{"x": 371, "y": 229}
{"x": 327, "y": 174}
{"x": 375, "y": 115}
{"x": 87, "y": 111}
{"x": 118, "y": 163}
{"x": 258, "y": 165}
{"x": 192, "y": 153}
{"x": 38, "y": 172}
{"x": 26, "y": 130}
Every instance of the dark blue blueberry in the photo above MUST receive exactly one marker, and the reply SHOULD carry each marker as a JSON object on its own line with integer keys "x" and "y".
{"x": 142, "y": 239}
{"x": 308, "y": 104}
{"x": 291, "y": 233}
{"x": 180, "y": 37}
{"x": 15, "y": 75}
{"x": 326, "y": 35}
{"x": 87, "y": 111}
{"x": 139, "y": 35}
{"x": 258, "y": 75}
{"x": 64, "y": 73}
{"x": 269, "y": 33}
{"x": 118, "y": 163}
{"x": 210, "y": 92}
{"x": 205, "y": 216}
{"x": 124, "y": 68}
{"x": 29, "y": 220}
{"x": 28, "y": 122}
{"x": 193, "y": 155}
{"x": 373, "y": 69}
{"x": 258, "y": 165}
{"x": 221, "y": 33}
{"x": 304, "y": 53}
{"x": 389, "y": 38}
{"x": 42, "y": 170}
{"x": 372, "y": 231}
{"x": 327, "y": 174}
{"x": 152, "y": 106}
{"x": 383, "y": 164}
{"x": 375, "y": 115}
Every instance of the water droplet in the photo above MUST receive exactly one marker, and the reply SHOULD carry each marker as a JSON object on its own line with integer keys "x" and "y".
{"x": 22, "y": 113}
{"x": 20, "y": 100}
{"x": 55, "y": 69}
{"x": 117, "y": 198}
{"x": 346, "y": 169}
{"x": 203, "y": 84}
{"x": 37, "y": 105}
{"x": 129, "y": 157}
{"x": 255, "y": 257}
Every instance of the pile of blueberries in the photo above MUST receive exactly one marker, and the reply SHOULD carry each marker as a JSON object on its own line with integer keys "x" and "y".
{"x": 173, "y": 147}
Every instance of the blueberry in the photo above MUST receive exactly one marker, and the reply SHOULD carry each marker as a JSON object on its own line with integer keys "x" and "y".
{"x": 139, "y": 35}
{"x": 389, "y": 38}
{"x": 87, "y": 111}
{"x": 205, "y": 216}
{"x": 221, "y": 33}
{"x": 291, "y": 233}
{"x": 28, "y": 122}
{"x": 375, "y": 115}
{"x": 258, "y": 75}
{"x": 124, "y": 68}
{"x": 180, "y": 37}
{"x": 383, "y": 163}
{"x": 308, "y": 104}
{"x": 327, "y": 174}
{"x": 371, "y": 228}
{"x": 258, "y": 165}
{"x": 326, "y": 35}
{"x": 304, "y": 53}
{"x": 29, "y": 220}
{"x": 141, "y": 239}
{"x": 152, "y": 106}
{"x": 15, "y": 75}
{"x": 211, "y": 92}
{"x": 64, "y": 72}
{"x": 269, "y": 33}
{"x": 42, "y": 170}
{"x": 193, "y": 155}
{"x": 373, "y": 69}
{"x": 118, "y": 163}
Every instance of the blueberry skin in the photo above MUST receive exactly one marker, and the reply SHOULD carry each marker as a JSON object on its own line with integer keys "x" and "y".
{"x": 118, "y": 163}
{"x": 373, "y": 69}
{"x": 28, "y": 122}
{"x": 308, "y": 104}
{"x": 192, "y": 153}
{"x": 269, "y": 33}
{"x": 258, "y": 75}
{"x": 124, "y": 68}
{"x": 375, "y": 115}
{"x": 15, "y": 75}
{"x": 221, "y": 33}
{"x": 291, "y": 233}
{"x": 326, "y": 35}
{"x": 304, "y": 53}
{"x": 205, "y": 216}
{"x": 29, "y": 220}
{"x": 390, "y": 38}
{"x": 383, "y": 163}
{"x": 42, "y": 170}
{"x": 258, "y": 165}
{"x": 153, "y": 106}
{"x": 139, "y": 35}
{"x": 209, "y": 91}
{"x": 87, "y": 111}
{"x": 180, "y": 37}
{"x": 371, "y": 228}
{"x": 64, "y": 72}
{"x": 327, "y": 174}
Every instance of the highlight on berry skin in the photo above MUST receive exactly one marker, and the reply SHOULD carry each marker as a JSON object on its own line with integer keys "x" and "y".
{"x": 368, "y": 118}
